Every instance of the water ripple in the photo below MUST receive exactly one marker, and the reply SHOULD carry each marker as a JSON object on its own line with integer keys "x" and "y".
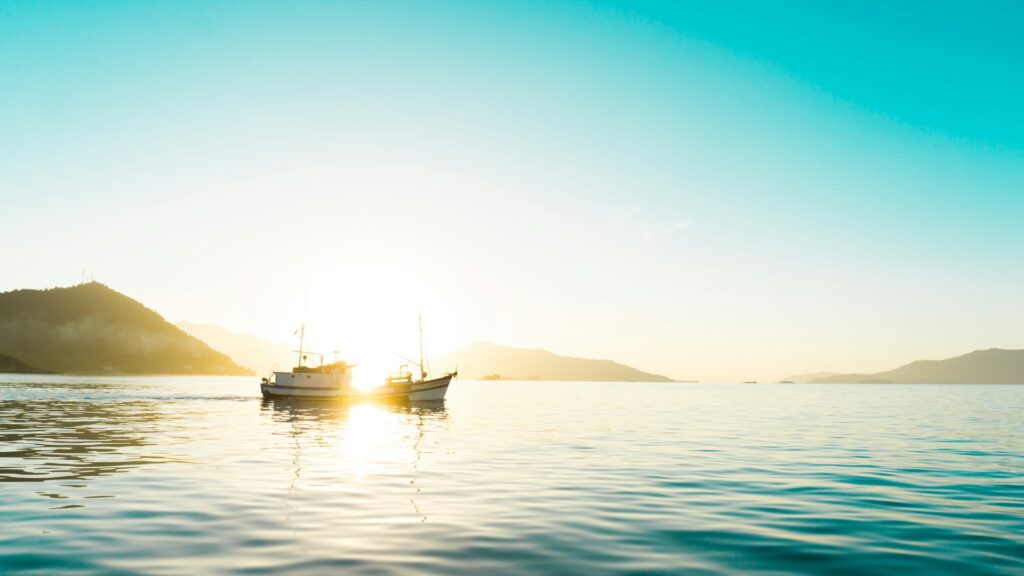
{"x": 199, "y": 475}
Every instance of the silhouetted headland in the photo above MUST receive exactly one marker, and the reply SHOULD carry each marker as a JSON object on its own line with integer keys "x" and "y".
{"x": 14, "y": 366}
{"x": 993, "y": 366}
{"x": 91, "y": 329}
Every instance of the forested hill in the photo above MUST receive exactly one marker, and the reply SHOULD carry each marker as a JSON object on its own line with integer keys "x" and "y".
{"x": 92, "y": 329}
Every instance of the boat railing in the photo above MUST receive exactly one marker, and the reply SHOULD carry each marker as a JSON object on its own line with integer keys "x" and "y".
{"x": 400, "y": 378}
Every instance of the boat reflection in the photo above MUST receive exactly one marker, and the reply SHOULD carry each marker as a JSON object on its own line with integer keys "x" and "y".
{"x": 338, "y": 445}
{"x": 312, "y": 414}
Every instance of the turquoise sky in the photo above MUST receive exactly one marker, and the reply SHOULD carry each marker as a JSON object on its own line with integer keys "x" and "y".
{"x": 707, "y": 190}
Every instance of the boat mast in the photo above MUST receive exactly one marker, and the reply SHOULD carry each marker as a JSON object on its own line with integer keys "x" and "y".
{"x": 423, "y": 369}
{"x": 302, "y": 330}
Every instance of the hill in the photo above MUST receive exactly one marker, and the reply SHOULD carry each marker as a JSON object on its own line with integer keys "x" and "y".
{"x": 90, "y": 328}
{"x": 491, "y": 361}
{"x": 14, "y": 366}
{"x": 246, "y": 350}
{"x": 993, "y": 366}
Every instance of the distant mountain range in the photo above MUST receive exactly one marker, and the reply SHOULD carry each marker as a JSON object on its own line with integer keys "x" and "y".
{"x": 993, "y": 366}
{"x": 484, "y": 360}
{"x": 91, "y": 329}
{"x": 246, "y": 350}
{"x": 475, "y": 362}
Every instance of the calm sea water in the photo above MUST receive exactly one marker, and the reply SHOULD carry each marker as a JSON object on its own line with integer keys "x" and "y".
{"x": 199, "y": 475}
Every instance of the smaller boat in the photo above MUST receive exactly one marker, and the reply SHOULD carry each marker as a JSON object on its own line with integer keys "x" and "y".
{"x": 334, "y": 380}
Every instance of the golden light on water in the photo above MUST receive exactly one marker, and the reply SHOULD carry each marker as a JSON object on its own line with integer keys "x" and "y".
{"x": 364, "y": 437}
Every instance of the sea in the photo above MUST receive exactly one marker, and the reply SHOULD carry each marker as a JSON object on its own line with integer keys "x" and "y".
{"x": 200, "y": 475}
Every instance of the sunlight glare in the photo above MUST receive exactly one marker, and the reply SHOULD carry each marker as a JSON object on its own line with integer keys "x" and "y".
{"x": 363, "y": 437}
{"x": 367, "y": 311}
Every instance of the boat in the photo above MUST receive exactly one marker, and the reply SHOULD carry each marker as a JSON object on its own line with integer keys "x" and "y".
{"x": 334, "y": 381}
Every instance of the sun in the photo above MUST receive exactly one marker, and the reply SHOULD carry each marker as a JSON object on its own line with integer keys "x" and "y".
{"x": 365, "y": 313}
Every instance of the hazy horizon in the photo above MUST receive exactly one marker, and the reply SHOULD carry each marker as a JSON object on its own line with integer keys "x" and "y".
{"x": 711, "y": 192}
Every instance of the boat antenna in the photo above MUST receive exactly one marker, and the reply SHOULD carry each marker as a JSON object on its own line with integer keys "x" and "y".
{"x": 423, "y": 369}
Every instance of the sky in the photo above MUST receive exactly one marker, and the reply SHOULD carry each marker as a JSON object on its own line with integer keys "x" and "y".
{"x": 710, "y": 190}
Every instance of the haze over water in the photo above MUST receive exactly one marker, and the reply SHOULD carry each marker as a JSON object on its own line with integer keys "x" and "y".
{"x": 200, "y": 475}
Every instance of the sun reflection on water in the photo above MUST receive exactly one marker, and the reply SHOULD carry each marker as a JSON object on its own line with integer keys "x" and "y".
{"x": 369, "y": 434}
{"x": 365, "y": 449}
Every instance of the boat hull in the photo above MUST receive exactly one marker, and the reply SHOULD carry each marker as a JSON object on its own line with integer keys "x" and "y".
{"x": 422, "y": 391}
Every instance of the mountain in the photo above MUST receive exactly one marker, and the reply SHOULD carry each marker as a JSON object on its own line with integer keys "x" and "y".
{"x": 484, "y": 360}
{"x": 15, "y": 366}
{"x": 246, "y": 350}
{"x": 90, "y": 328}
{"x": 993, "y": 366}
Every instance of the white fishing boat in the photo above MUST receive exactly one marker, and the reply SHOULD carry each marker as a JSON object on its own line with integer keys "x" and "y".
{"x": 334, "y": 380}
